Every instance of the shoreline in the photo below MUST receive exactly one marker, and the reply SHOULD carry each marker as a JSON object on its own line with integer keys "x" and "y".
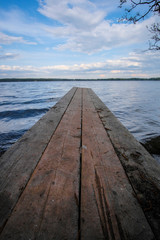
{"x": 79, "y": 80}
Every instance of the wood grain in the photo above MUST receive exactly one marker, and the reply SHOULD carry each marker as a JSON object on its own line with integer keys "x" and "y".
{"x": 141, "y": 168}
{"x": 79, "y": 174}
{"x": 47, "y": 209}
{"x": 108, "y": 199}
{"x": 19, "y": 162}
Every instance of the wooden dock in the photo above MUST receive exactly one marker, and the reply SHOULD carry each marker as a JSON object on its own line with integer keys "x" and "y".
{"x": 79, "y": 174}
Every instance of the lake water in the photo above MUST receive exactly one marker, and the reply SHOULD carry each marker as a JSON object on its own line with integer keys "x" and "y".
{"x": 135, "y": 103}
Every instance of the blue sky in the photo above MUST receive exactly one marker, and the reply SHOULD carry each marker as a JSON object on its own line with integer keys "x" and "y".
{"x": 73, "y": 39}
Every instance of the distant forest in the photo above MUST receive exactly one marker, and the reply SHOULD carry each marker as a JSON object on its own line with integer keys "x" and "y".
{"x": 65, "y": 79}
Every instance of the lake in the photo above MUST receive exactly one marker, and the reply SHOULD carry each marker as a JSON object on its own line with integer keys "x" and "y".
{"x": 135, "y": 103}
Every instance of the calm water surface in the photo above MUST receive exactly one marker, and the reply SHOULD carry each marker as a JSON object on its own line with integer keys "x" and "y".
{"x": 135, "y": 103}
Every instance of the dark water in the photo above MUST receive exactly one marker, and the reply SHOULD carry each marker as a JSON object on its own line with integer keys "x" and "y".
{"x": 135, "y": 103}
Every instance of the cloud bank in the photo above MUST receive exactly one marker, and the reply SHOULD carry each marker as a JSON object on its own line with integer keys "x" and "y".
{"x": 65, "y": 32}
{"x": 126, "y": 66}
{"x": 85, "y": 28}
{"x": 6, "y": 39}
{"x": 8, "y": 56}
{"x": 79, "y": 26}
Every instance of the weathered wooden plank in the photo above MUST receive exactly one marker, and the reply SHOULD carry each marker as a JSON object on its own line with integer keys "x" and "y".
{"x": 52, "y": 194}
{"x": 107, "y": 198}
{"x": 91, "y": 227}
{"x": 108, "y": 207}
{"x": 19, "y": 162}
{"x": 142, "y": 170}
{"x": 61, "y": 219}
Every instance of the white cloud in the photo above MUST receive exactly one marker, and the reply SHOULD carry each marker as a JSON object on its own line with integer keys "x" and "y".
{"x": 84, "y": 28}
{"x": 8, "y": 56}
{"x": 131, "y": 66}
{"x": 18, "y": 68}
{"x": 80, "y": 14}
{"x": 6, "y": 39}
{"x": 16, "y": 22}
{"x": 81, "y": 24}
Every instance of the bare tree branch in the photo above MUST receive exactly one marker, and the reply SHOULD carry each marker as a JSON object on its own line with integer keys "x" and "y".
{"x": 154, "y": 44}
{"x": 151, "y": 6}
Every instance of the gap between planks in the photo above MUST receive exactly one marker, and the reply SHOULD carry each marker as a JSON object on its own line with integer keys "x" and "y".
{"x": 79, "y": 188}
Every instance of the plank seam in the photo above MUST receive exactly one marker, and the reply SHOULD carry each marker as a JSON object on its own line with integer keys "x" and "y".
{"x": 80, "y": 172}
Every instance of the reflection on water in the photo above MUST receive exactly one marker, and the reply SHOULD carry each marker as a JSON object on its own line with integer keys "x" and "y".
{"x": 135, "y": 103}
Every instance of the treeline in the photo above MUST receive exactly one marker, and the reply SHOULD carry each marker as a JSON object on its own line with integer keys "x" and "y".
{"x": 66, "y": 79}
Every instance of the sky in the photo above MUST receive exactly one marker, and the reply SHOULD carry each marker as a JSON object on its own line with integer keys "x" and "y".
{"x": 73, "y": 39}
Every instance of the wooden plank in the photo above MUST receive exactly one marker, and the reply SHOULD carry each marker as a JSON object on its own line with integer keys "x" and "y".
{"x": 61, "y": 219}
{"x": 109, "y": 209}
{"x": 73, "y": 196}
{"x": 52, "y": 194}
{"x": 19, "y": 162}
{"x": 91, "y": 227}
{"x": 142, "y": 170}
